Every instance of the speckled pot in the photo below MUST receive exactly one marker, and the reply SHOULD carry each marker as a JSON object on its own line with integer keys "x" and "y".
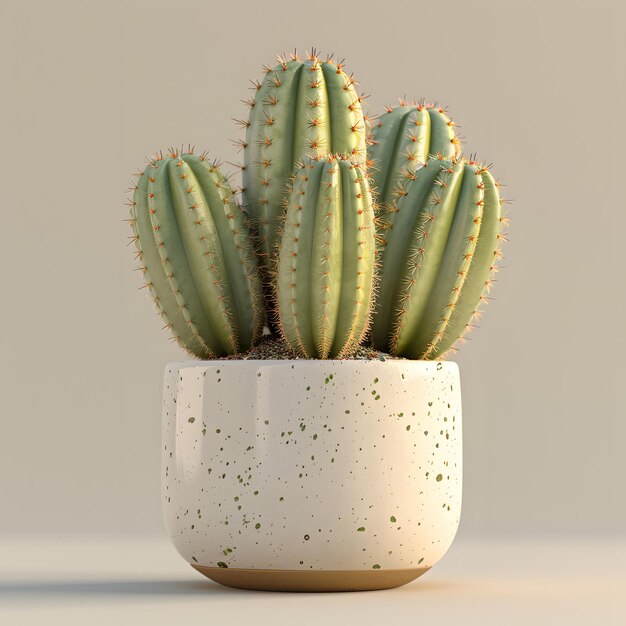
{"x": 312, "y": 475}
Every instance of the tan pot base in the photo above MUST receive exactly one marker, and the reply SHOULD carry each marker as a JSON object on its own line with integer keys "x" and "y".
{"x": 310, "y": 580}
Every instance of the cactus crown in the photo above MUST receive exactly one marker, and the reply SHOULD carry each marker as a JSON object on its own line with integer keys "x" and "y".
{"x": 338, "y": 244}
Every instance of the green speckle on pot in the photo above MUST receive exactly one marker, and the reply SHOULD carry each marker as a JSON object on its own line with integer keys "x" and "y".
{"x": 281, "y": 499}
{"x": 259, "y": 374}
{"x": 400, "y": 414}
{"x": 222, "y": 564}
{"x": 315, "y": 437}
{"x": 217, "y": 430}
{"x": 191, "y": 420}
{"x": 392, "y": 518}
{"x": 257, "y": 525}
{"x": 194, "y": 558}
{"x": 256, "y": 493}
{"x": 203, "y": 432}
{"x": 375, "y": 380}
{"x": 307, "y": 537}
{"x": 236, "y": 498}
{"x": 420, "y": 561}
{"x": 266, "y": 422}
{"x": 439, "y": 478}
{"x": 347, "y": 411}
{"x": 308, "y": 388}
{"x": 430, "y": 404}
{"x": 375, "y": 566}
{"x": 326, "y": 381}
{"x": 360, "y": 529}
{"x": 302, "y": 426}
{"x": 377, "y": 397}
{"x": 408, "y": 426}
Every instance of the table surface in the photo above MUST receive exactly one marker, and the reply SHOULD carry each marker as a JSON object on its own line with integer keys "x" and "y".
{"x": 125, "y": 580}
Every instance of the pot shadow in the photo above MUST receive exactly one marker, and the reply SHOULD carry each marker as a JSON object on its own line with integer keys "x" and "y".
{"x": 79, "y": 589}
{"x": 68, "y": 589}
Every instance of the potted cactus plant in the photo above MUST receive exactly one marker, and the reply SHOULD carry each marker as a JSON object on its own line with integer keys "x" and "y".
{"x": 316, "y": 443}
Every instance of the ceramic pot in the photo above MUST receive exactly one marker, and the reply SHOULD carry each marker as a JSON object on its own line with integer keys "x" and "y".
{"x": 312, "y": 475}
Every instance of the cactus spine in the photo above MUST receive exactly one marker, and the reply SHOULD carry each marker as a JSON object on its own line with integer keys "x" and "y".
{"x": 326, "y": 261}
{"x": 194, "y": 249}
{"x": 438, "y": 250}
{"x": 302, "y": 108}
{"x": 403, "y": 140}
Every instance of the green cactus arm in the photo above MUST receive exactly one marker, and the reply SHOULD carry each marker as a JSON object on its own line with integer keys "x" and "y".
{"x": 241, "y": 283}
{"x": 425, "y": 258}
{"x": 326, "y": 259}
{"x": 478, "y": 278}
{"x": 203, "y": 252}
{"x": 165, "y": 295}
{"x": 172, "y": 253}
{"x": 456, "y": 262}
{"x": 404, "y": 243}
{"x": 358, "y": 267}
{"x": 194, "y": 246}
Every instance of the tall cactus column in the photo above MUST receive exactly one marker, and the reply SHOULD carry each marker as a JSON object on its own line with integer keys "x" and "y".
{"x": 302, "y": 108}
{"x": 326, "y": 263}
{"x": 195, "y": 251}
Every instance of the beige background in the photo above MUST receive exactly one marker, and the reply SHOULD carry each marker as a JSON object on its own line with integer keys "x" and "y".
{"x": 89, "y": 88}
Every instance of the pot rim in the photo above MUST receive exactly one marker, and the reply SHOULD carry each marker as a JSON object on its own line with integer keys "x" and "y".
{"x": 451, "y": 365}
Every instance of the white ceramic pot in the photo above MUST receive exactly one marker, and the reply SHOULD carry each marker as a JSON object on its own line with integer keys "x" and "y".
{"x": 312, "y": 475}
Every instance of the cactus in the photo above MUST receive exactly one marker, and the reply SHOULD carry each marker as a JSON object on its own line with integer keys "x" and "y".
{"x": 438, "y": 249}
{"x": 326, "y": 261}
{"x": 302, "y": 108}
{"x": 402, "y": 142}
{"x": 196, "y": 254}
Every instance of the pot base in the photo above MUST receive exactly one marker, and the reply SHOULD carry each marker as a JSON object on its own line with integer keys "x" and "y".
{"x": 310, "y": 580}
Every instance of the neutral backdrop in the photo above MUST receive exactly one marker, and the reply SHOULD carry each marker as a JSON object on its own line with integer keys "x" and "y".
{"x": 89, "y": 88}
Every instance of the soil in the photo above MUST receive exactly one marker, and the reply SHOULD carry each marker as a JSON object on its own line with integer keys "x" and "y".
{"x": 271, "y": 348}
